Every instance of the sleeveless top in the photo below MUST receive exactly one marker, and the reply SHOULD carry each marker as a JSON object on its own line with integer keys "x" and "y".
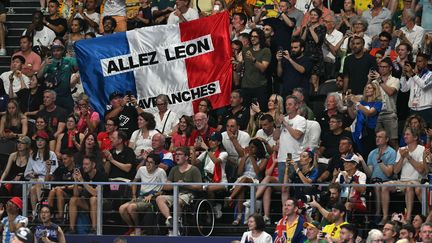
{"x": 51, "y": 232}
{"x": 66, "y": 142}
{"x": 15, "y": 170}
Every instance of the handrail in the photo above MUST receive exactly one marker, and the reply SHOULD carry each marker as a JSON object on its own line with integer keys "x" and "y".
{"x": 176, "y": 185}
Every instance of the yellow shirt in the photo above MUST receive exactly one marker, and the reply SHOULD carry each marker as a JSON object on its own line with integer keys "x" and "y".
{"x": 333, "y": 230}
{"x": 290, "y": 230}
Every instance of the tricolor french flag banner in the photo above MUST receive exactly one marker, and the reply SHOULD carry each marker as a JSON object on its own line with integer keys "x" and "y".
{"x": 187, "y": 61}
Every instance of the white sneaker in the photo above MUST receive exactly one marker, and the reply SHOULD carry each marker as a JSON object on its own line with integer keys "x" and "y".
{"x": 267, "y": 220}
{"x": 10, "y": 11}
{"x": 3, "y": 52}
{"x": 171, "y": 233}
{"x": 169, "y": 222}
{"x": 247, "y": 204}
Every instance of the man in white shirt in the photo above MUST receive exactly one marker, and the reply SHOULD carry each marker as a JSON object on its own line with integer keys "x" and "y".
{"x": 330, "y": 47}
{"x": 42, "y": 35}
{"x": 14, "y": 78}
{"x": 89, "y": 15}
{"x": 165, "y": 118}
{"x": 375, "y": 20}
{"x": 410, "y": 33}
{"x": 289, "y": 131}
{"x": 409, "y": 162}
{"x": 418, "y": 82}
{"x": 182, "y": 13}
{"x": 234, "y": 140}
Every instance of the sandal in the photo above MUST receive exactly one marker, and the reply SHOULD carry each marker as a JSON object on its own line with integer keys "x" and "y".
{"x": 238, "y": 220}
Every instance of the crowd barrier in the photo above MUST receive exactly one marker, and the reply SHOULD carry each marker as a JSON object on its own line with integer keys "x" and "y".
{"x": 253, "y": 187}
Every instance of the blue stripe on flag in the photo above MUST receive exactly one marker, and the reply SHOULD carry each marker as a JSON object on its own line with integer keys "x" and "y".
{"x": 89, "y": 53}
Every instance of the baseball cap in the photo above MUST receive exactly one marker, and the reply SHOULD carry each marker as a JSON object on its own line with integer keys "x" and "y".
{"x": 57, "y": 44}
{"x": 351, "y": 158}
{"x": 24, "y": 140}
{"x": 17, "y": 201}
{"x": 216, "y": 137}
{"x": 314, "y": 224}
{"x": 115, "y": 94}
{"x": 42, "y": 134}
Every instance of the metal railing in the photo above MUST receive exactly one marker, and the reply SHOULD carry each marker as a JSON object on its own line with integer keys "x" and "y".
{"x": 252, "y": 186}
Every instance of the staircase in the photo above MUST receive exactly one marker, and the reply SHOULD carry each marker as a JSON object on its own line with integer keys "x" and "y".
{"x": 16, "y": 23}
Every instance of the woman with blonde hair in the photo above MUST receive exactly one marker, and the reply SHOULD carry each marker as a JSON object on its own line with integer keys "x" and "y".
{"x": 365, "y": 110}
{"x": 275, "y": 107}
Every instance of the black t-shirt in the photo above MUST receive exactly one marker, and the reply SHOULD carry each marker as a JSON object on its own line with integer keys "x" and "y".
{"x": 357, "y": 70}
{"x": 79, "y": 157}
{"x": 242, "y": 117}
{"x": 57, "y": 22}
{"x": 323, "y": 119}
{"x": 63, "y": 174}
{"x": 331, "y": 142}
{"x": 282, "y": 32}
{"x": 292, "y": 78}
{"x": 126, "y": 156}
{"x": 30, "y": 102}
{"x": 99, "y": 177}
{"x": 54, "y": 117}
{"x": 128, "y": 119}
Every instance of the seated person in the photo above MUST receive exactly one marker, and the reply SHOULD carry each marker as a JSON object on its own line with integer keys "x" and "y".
{"x": 13, "y": 124}
{"x": 120, "y": 160}
{"x": 42, "y": 126}
{"x": 85, "y": 197}
{"x": 234, "y": 140}
{"x": 41, "y": 165}
{"x": 103, "y": 138}
{"x": 336, "y": 163}
{"x": 141, "y": 139}
{"x": 183, "y": 134}
{"x": 158, "y": 147}
{"x": 70, "y": 139}
{"x": 202, "y": 130}
{"x": 63, "y": 173}
{"x": 212, "y": 162}
{"x": 47, "y": 231}
{"x": 250, "y": 170}
{"x": 148, "y": 173}
{"x": 351, "y": 175}
{"x": 182, "y": 172}
{"x": 409, "y": 163}
{"x": 15, "y": 168}
{"x": 89, "y": 147}
{"x": 305, "y": 172}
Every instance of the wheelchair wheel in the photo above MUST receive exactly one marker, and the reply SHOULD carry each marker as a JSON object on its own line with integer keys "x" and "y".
{"x": 205, "y": 218}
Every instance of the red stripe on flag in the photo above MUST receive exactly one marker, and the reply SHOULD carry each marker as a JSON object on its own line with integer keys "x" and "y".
{"x": 211, "y": 66}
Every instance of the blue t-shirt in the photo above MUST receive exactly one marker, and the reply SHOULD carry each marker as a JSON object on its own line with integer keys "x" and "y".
{"x": 388, "y": 158}
{"x": 426, "y": 21}
{"x": 372, "y": 120}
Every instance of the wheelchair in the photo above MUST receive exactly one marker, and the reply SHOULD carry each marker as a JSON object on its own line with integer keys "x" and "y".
{"x": 197, "y": 218}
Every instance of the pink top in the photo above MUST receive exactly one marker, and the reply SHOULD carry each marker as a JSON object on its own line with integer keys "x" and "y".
{"x": 32, "y": 62}
{"x": 82, "y": 125}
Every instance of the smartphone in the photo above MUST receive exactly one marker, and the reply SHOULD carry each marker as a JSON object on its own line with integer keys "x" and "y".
{"x": 216, "y": 7}
{"x": 280, "y": 48}
{"x": 289, "y": 156}
{"x": 255, "y": 101}
{"x": 129, "y": 93}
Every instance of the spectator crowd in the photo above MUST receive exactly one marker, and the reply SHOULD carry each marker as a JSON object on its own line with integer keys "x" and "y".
{"x": 331, "y": 92}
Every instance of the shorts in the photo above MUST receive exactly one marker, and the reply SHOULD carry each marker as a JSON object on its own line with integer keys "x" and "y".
{"x": 142, "y": 205}
{"x": 254, "y": 180}
{"x": 185, "y": 197}
{"x": 389, "y": 123}
{"x": 402, "y": 188}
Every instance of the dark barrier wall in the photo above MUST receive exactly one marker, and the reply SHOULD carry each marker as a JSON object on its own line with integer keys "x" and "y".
{"x": 158, "y": 239}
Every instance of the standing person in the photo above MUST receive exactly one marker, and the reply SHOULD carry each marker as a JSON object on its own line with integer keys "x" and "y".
{"x": 289, "y": 130}
{"x": 314, "y": 35}
{"x": 58, "y": 71}
{"x": 236, "y": 110}
{"x": 54, "y": 21}
{"x": 40, "y": 35}
{"x": 333, "y": 40}
{"x": 256, "y": 61}
{"x": 417, "y": 82}
{"x": 182, "y": 13}
{"x": 13, "y": 220}
{"x": 375, "y": 16}
{"x": 294, "y": 68}
{"x": 410, "y": 33}
{"x": 357, "y": 66}
{"x": 389, "y": 86}
{"x": 126, "y": 110}
{"x": 74, "y": 34}
{"x": 89, "y": 15}
{"x": 256, "y": 231}
{"x": 47, "y": 231}
{"x": 165, "y": 118}
{"x": 116, "y": 10}
{"x": 289, "y": 229}
{"x": 366, "y": 112}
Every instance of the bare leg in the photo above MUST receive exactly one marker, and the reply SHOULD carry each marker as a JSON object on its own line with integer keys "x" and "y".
{"x": 163, "y": 207}
{"x": 378, "y": 200}
{"x": 93, "y": 211}
{"x": 409, "y": 200}
{"x": 267, "y": 201}
{"x": 125, "y": 215}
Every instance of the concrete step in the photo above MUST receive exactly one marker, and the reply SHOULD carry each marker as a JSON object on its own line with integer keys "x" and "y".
{"x": 4, "y": 69}
{"x": 12, "y": 40}
{"x": 5, "y": 60}
{"x": 24, "y": 3}
{"x": 18, "y": 24}
{"x": 19, "y": 17}
{"x": 15, "y": 31}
